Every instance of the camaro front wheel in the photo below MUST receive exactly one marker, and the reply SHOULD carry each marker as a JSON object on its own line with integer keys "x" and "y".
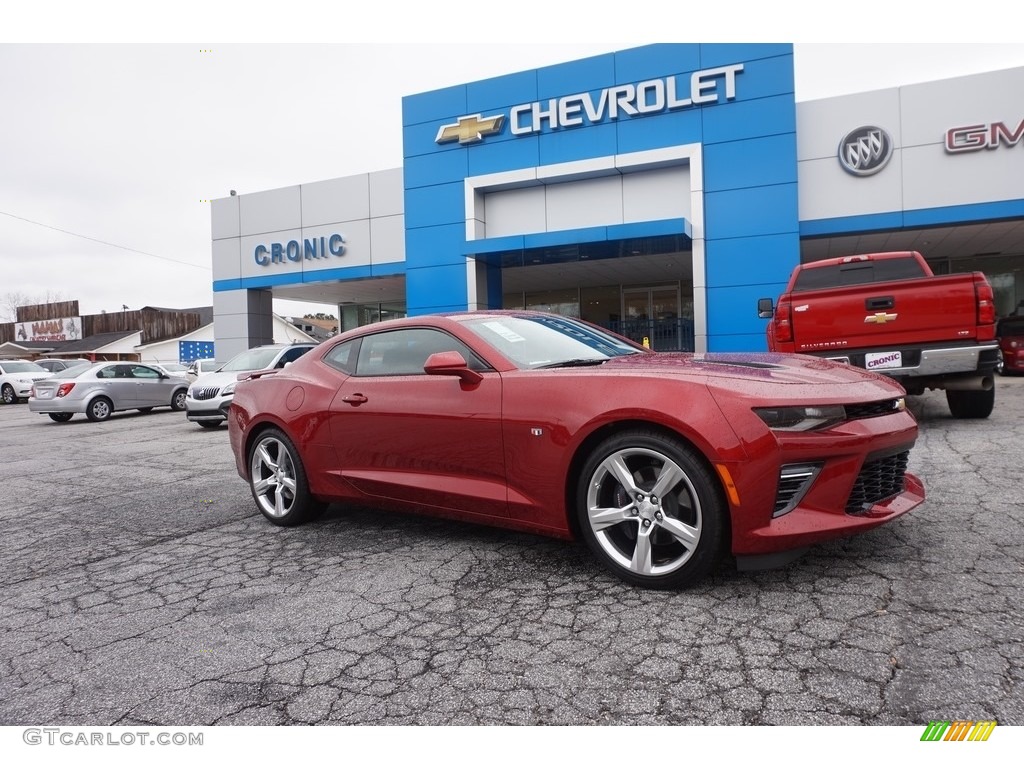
{"x": 278, "y": 480}
{"x": 651, "y": 510}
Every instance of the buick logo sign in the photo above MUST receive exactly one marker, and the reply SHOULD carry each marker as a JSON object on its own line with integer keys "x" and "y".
{"x": 865, "y": 150}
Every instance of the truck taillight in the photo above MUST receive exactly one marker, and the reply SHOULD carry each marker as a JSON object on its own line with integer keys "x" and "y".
{"x": 783, "y": 322}
{"x": 63, "y": 389}
{"x": 986, "y": 307}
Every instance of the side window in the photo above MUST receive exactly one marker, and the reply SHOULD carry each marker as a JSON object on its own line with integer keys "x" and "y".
{"x": 405, "y": 352}
{"x": 107, "y": 373}
{"x": 343, "y": 356}
{"x": 291, "y": 355}
{"x": 144, "y": 372}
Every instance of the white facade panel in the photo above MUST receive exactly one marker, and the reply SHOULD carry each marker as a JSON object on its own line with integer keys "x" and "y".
{"x": 357, "y": 245}
{"x": 387, "y": 239}
{"x": 822, "y": 124}
{"x": 270, "y": 211}
{"x": 934, "y": 179}
{"x": 515, "y": 212}
{"x": 227, "y": 259}
{"x": 251, "y": 268}
{"x": 387, "y": 193}
{"x": 827, "y": 191}
{"x": 656, "y": 194}
{"x": 586, "y": 203}
{"x": 929, "y": 109}
{"x": 224, "y": 218}
{"x": 326, "y": 202}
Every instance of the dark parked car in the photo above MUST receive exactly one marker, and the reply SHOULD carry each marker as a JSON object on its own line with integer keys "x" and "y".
{"x": 1010, "y": 332}
{"x": 661, "y": 462}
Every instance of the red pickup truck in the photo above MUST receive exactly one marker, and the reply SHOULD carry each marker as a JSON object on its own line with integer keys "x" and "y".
{"x": 887, "y": 312}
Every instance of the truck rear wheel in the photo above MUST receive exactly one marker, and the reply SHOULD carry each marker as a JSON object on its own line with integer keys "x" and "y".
{"x": 971, "y": 403}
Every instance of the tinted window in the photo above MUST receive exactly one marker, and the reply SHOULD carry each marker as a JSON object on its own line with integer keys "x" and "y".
{"x": 404, "y": 353}
{"x": 1011, "y": 326}
{"x": 144, "y": 372}
{"x": 109, "y": 372}
{"x": 291, "y": 355}
{"x": 342, "y": 356}
{"x": 857, "y": 273}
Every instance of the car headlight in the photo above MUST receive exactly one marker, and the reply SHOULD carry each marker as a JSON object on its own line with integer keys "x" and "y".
{"x": 229, "y": 389}
{"x": 796, "y": 418}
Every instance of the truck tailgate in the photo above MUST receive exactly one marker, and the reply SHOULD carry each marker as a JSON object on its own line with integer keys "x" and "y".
{"x": 931, "y": 309}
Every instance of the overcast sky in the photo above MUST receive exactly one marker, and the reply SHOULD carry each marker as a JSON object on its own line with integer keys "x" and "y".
{"x": 109, "y": 153}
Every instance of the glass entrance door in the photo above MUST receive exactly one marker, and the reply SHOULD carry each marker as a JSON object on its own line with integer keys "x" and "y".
{"x": 654, "y": 314}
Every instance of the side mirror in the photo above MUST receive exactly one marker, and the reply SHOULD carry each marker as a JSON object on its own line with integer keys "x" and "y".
{"x": 765, "y": 309}
{"x": 451, "y": 364}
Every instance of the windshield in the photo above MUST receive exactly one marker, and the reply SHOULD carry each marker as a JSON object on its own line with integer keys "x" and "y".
{"x": 543, "y": 341}
{"x": 252, "y": 360}
{"x": 73, "y": 371}
{"x": 172, "y": 367}
{"x": 23, "y": 368}
{"x": 1011, "y": 326}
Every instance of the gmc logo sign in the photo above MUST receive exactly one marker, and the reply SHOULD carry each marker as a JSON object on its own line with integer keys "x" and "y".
{"x": 970, "y": 138}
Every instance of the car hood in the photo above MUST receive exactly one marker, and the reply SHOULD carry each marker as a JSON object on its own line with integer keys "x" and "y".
{"x": 218, "y": 378}
{"x": 33, "y": 375}
{"x": 767, "y": 367}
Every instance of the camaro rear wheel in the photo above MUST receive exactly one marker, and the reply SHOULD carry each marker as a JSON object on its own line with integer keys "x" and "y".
{"x": 99, "y": 409}
{"x": 278, "y": 480}
{"x": 61, "y": 416}
{"x": 651, "y": 510}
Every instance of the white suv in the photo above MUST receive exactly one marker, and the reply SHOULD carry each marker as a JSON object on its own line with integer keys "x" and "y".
{"x": 210, "y": 395}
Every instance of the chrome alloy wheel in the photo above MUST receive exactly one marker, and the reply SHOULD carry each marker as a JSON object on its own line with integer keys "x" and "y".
{"x": 272, "y": 469}
{"x": 644, "y": 511}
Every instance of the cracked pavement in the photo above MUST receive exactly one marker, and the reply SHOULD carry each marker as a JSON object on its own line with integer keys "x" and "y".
{"x": 141, "y": 586}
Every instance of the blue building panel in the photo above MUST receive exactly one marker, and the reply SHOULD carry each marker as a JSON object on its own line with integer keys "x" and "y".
{"x": 755, "y": 260}
{"x": 502, "y": 153}
{"x": 653, "y": 61}
{"x": 575, "y": 77}
{"x": 732, "y": 311}
{"x": 749, "y": 212}
{"x": 570, "y": 144}
{"x": 433, "y": 246}
{"x": 639, "y": 134}
{"x": 749, "y": 119}
{"x": 501, "y": 93}
{"x": 439, "y": 204}
{"x": 436, "y": 288}
{"x": 760, "y": 162}
{"x": 434, "y": 169}
{"x": 189, "y": 351}
{"x": 434, "y": 105}
{"x": 723, "y": 54}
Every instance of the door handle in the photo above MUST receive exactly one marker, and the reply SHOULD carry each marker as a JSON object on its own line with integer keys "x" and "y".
{"x": 354, "y": 399}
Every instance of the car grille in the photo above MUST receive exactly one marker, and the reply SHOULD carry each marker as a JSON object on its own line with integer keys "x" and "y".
{"x": 879, "y": 479}
{"x": 794, "y": 480}
{"x": 206, "y": 393}
{"x": 867, "y": 410}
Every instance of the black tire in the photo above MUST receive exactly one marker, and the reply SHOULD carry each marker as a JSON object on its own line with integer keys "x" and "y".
{"x": 145, "y": 410}
{"x": 178, "y": 400}
{"x": 209, "y": 424}
{"x": 8, "y": 395}
{"x": 274, "y": 463}
{"x": 99, "y": 409}
{"x": 684, "y": 529}
{"x": 971, "y": 403}
{"x": 61, "y": 417}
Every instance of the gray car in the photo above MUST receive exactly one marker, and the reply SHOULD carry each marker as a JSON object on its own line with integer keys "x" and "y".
{"x": 100, "y": 389}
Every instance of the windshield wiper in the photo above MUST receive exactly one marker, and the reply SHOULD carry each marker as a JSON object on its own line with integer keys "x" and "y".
{"x": 575, "y": 363}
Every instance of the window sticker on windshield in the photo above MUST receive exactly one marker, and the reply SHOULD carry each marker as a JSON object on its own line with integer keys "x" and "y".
{"x": 506, "y": 333}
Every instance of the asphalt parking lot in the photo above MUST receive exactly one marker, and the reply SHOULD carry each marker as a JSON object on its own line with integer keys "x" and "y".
{"x": 140, "y": 586}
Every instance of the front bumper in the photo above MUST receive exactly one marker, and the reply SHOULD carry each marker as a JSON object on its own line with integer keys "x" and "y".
{"x": 207, "y": 410}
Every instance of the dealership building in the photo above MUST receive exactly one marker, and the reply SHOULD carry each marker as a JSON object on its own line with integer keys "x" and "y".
{"x": 657, "y": 191}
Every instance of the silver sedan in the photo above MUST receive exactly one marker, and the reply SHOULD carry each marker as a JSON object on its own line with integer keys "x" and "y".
{"x": 100, "y": 389}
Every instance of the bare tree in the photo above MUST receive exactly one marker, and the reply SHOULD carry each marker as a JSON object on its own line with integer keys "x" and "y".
{"x": 13, "y": 299}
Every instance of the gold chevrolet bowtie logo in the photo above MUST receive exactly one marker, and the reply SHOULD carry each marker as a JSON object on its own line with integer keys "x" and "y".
{"x": 470, "y": 129}
{"x": 880, "y": 317}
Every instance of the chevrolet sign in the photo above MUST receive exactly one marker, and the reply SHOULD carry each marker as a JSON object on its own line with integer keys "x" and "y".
{"x": 666, "y": 94}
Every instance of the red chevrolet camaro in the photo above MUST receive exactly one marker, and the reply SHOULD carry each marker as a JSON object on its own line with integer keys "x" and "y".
{"x": 663, "y": 463}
